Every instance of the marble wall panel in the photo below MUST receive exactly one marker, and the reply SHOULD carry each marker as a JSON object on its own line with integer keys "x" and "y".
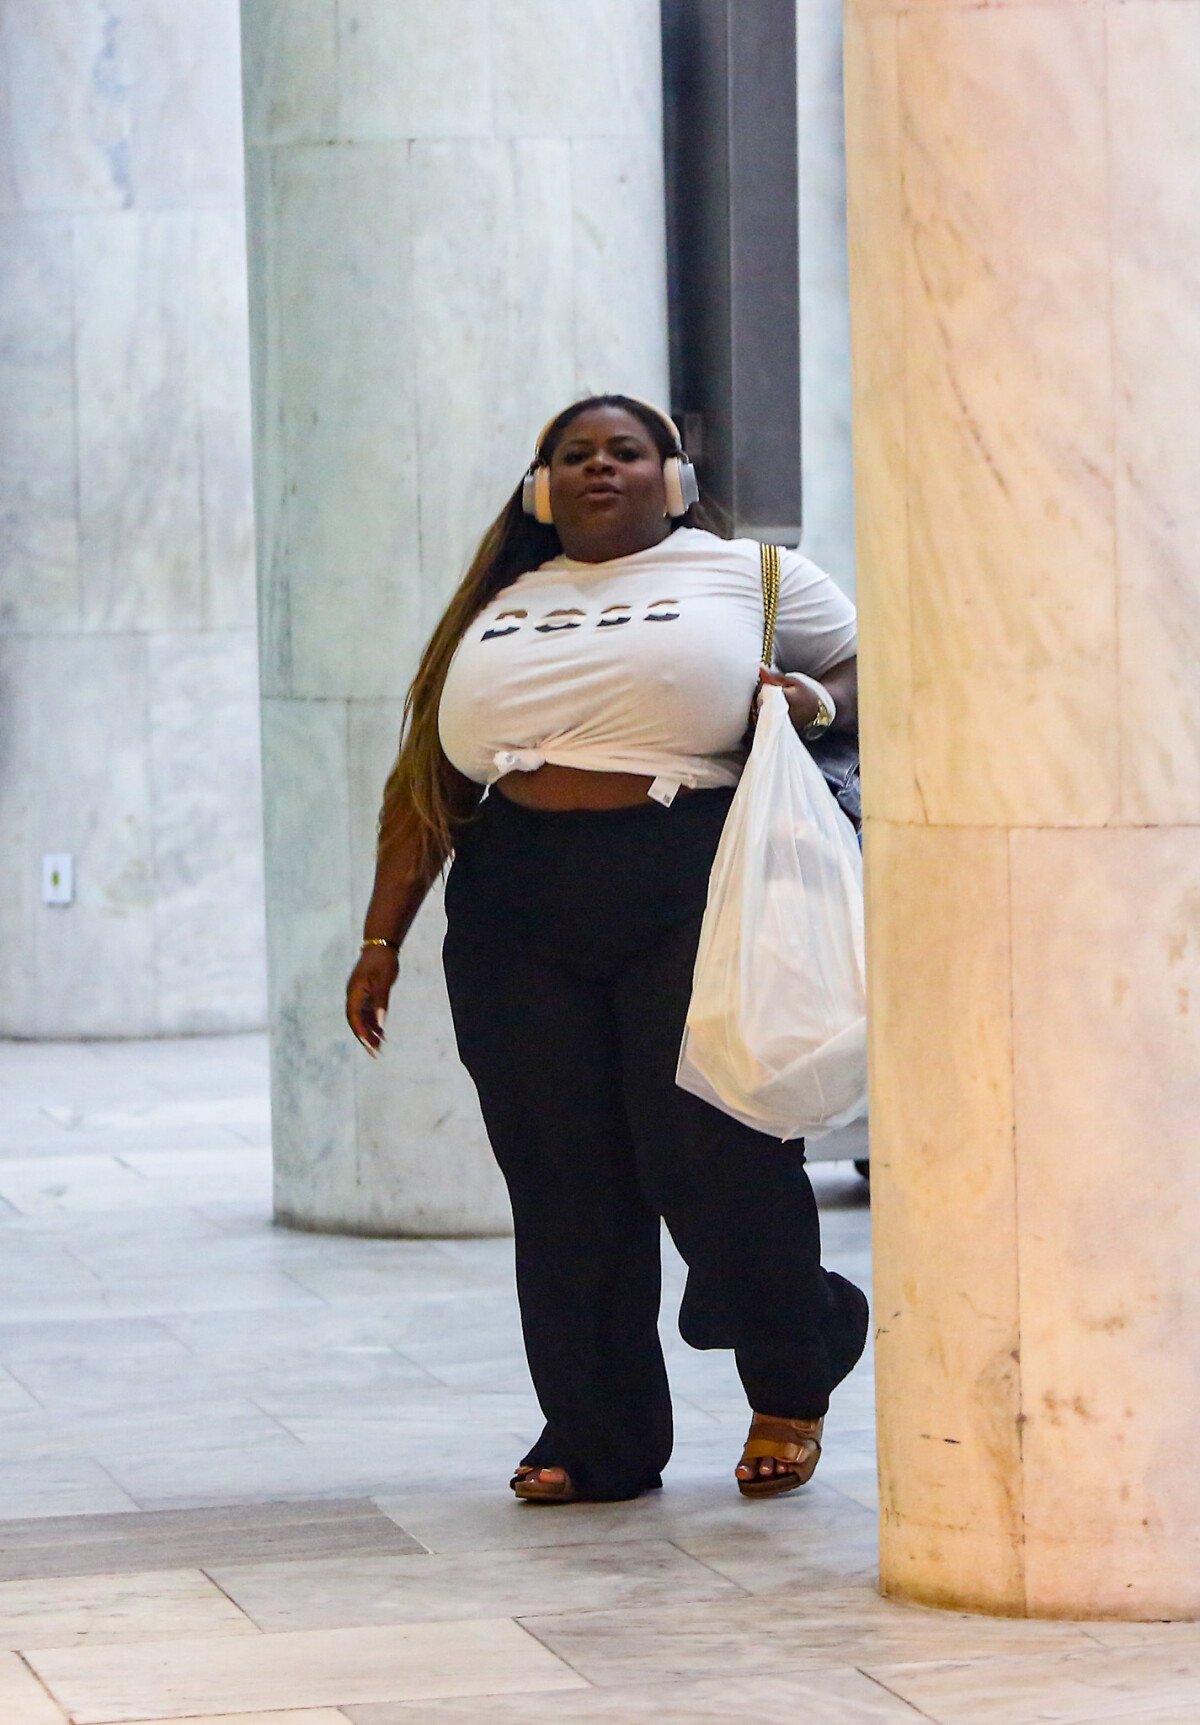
{"x": 493, "y": 299}
{"x": 222, "y": 383}
{"x": 620, "y": 267}
{"x": 124, "y": 475}
{"x": 422, "y": 1150}
{"x": 943, "y": 1197}
{"x": 289, "y": 71}
{"x": 340, "y": 526}
{"x": 272, "y": 596}
{"x": 1106, "y": 990}
{"x": 1154, "y": 66}
{"x": 76, "y": 771}
{"x": 20, "y": 870}
{"x": 876, "y": 252}
{"x": 207, "y": 830}
{"x": 66, "y": 69}
{"x": 141, "y": 549}
{"x": 414, "y": 71}
{"x": 311, "y": 943}
{"x": 186, "y": 138}
{"x": 39, "y": 540}
{"x": 589, "y": 70}
{"x": 1010, "y": 509}
{"x": 827, "y": 466}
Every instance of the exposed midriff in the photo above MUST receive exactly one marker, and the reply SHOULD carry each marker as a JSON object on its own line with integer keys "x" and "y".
{"x": 559, "y": 787}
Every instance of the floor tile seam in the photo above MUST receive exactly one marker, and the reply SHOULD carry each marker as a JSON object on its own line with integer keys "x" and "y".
{"x": 917, "y": 1712}
{"x": 1059, "y": 1660}
{"x": 846, "y": 1650}
{"x": 1089, "y": 1629}
{"x": 690, "y": 1401}
{"x": 427, "y": 1549}
{"x": 114, "y": 1481}
{"x": 519, "y": 1623}
{"x": 43, "y": 1686}
{"x": 441, "y": 1383}
{"x": 856, "y": 1503}
{"x": 75, "y": 1259}
{"x": 706, "y": 1563}
{"x": 118, "y": 1548}
{"x": 147, "y": 1564}
{"x": 1061, "y": 1653}
{"x": 240, "y": 1609}
{"x": 771, "y": 1664}
{"x": 25, "y": 1390}
{"x": 276, "y": 1421}
{"x": 302, "y": 1507}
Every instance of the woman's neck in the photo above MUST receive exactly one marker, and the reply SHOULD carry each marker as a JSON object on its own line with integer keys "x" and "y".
{"x": 602, "y": 546}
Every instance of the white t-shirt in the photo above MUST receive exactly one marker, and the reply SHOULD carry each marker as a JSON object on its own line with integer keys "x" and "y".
{"x": 645, "y": 664}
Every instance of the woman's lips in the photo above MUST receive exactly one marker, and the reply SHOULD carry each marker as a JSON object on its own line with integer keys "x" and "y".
{"x": 598, "y": 491}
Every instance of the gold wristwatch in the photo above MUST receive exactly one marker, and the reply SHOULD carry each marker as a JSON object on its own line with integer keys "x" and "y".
{"x": 820, "y": 724}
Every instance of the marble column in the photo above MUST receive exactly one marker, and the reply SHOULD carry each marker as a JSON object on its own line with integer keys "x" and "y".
{"x": 1025, "y": 258}
{"x": 128, "y": 672}
{"x": 456, "y": 226}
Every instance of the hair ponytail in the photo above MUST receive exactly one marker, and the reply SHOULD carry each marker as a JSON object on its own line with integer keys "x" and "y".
{"x": 423, "y": 789}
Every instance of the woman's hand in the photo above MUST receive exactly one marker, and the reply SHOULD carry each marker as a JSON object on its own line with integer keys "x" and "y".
{"x": 803, "y": 705}
{"x": 367, "y": 994}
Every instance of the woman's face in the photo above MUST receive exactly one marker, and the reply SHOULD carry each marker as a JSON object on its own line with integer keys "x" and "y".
{"x": 606, "y": 485}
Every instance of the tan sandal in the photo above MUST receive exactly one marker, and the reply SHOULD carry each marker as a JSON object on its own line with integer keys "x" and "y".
{"x": 531, "y": 1490}
{"x": 791, "y": 1441}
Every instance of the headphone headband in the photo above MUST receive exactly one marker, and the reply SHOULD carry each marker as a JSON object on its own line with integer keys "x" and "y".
{"x": 658, "y": 412}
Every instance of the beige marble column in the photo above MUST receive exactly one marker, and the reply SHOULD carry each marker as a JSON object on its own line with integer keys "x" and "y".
{"x": 456, "y": 227}
{"x": 1025, "y": 251}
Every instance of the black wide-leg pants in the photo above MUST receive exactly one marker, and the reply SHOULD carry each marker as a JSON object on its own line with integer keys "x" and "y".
{"x": 569, "y": 953}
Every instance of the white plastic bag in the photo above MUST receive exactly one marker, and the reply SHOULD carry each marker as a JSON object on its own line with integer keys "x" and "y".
{"x": 776, "y": 1030}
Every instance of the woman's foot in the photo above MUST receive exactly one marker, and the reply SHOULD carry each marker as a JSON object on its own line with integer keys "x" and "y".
{"x": 543, "y": 1485}
{"x": 779, "y": 1455}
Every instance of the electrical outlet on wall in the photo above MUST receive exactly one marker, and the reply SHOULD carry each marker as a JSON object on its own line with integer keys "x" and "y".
{"x": 58, "y": 878}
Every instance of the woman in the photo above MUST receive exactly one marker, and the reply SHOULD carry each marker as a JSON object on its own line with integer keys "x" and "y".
{"x": 594, "y": 671}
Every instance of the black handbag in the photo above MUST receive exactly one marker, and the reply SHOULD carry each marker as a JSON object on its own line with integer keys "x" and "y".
{"x": 836, "y": 752}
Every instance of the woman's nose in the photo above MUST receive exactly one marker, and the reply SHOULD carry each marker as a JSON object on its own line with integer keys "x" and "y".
{"x": 598, "y": 462}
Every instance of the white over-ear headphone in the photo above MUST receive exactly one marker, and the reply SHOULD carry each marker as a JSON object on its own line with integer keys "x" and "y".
{"x": 679, "y": 476}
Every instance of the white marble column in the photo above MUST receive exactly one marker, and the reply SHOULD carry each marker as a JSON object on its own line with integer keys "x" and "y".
{"x": 128, "y": 673}
{"x": 456, "y": 226}
{"x": 1025, "y": 249}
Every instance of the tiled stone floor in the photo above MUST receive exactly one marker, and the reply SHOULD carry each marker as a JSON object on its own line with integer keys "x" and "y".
{"x": 259, "y": 1478}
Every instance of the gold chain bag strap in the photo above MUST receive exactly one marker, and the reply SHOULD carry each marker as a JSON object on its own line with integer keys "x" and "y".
{"x": 835, "y": 753}
{"x": 769, "y": 558}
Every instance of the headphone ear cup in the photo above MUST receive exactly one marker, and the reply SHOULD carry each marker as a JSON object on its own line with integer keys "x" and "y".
{"x": 689, "y": 484}
{"x": 682, "y": 487}
{"x": 535, "y": 495}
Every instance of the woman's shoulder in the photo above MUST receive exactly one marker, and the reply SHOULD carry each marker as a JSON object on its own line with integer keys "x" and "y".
{"x": 701, "y": 549}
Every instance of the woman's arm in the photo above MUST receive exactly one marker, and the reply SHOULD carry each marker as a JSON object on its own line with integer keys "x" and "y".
{"x": 842, "y": 683}
{"x": 404, "y": 873}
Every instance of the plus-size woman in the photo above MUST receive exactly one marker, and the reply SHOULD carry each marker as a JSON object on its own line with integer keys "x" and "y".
{"x": 593, "y": 673}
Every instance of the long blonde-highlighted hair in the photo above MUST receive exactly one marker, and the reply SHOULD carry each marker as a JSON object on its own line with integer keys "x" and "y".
{"x": 423, "y": 791}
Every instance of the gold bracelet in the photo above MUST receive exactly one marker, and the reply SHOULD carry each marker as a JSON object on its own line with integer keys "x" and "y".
{"x": 378, "y": 940}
